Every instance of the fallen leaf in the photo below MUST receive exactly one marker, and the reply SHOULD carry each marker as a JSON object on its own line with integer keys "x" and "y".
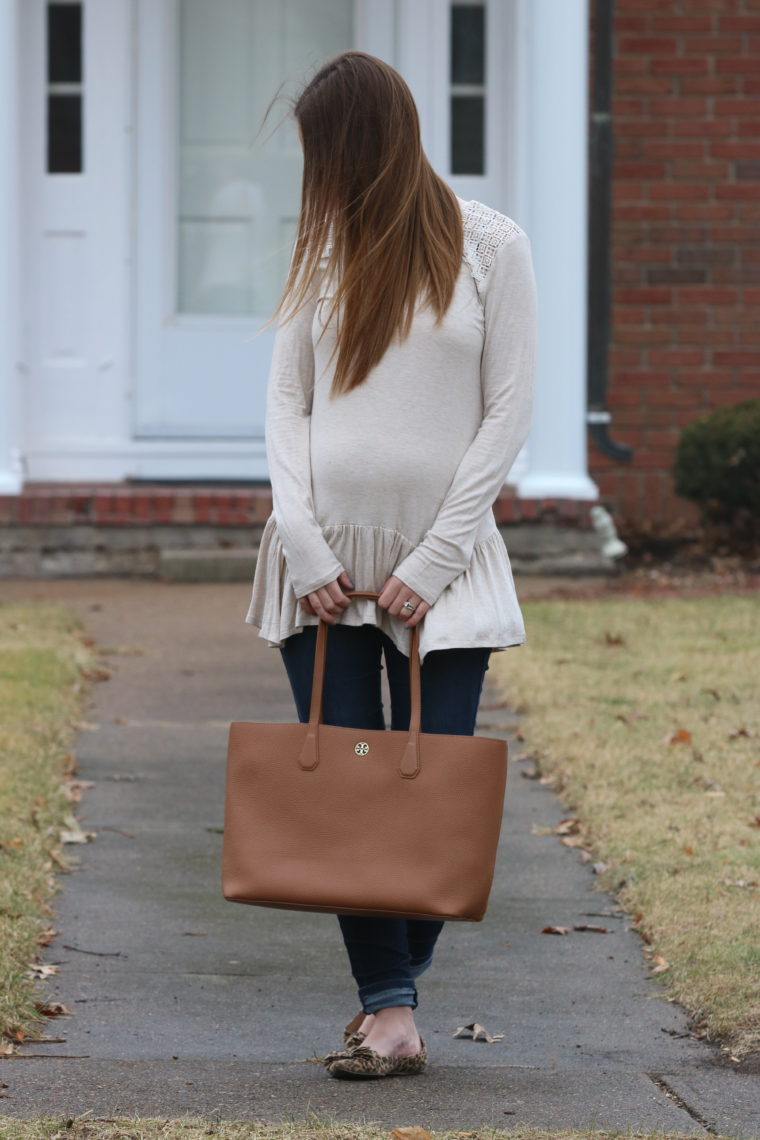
{"x": 661, "y": 966}
{"x": 568, "y": 826}
{"x": 412, "y": 1133}
{"x": 739, "y": 732}
{"x": 52, "y": 1008}
{"x": 47, "y": 936}
{"x": 598, "y": 867}
{"x": 477, "y": 1033}
{"x": 678, "y": 736}
{"x": 613, "y": 639}
{"x": 556, "y": 930}
{"x": 97, "y": 674}
{"x": 73, "y": 788}
{"x": 590, "y": 927}
{"x": 37, "y": 970}
{"x": 530, "y": 773}
{"x": 73, "y": 833}
{"x": 688, "y": 849}
{"x": 573, "y": 841}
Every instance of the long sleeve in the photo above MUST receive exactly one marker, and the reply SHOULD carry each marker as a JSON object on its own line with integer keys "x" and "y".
{"x": 507, "y": 380}
{"x": 290, "y": 388}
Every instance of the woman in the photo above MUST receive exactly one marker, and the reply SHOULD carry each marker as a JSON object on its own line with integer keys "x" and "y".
{"x": 399, "y": 395}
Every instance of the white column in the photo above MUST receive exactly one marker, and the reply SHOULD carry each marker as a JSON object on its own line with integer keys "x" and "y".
{"x": 10, "y": 427}
{"x": 553, "y": 104}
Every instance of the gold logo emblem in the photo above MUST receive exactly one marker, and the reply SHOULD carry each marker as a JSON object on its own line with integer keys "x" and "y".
{"x": 362, "y": 748}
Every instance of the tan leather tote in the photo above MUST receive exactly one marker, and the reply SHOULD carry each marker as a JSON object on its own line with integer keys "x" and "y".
{"x": 362, "y": 821}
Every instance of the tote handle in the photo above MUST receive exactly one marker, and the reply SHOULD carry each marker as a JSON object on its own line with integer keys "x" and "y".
{"x": 410, "y": 761}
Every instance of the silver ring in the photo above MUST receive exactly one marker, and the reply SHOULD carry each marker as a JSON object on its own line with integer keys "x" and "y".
{"x": 409, "y": 605}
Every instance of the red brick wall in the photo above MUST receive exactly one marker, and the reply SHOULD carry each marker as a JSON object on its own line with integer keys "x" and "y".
{"x": 685, "y": 241}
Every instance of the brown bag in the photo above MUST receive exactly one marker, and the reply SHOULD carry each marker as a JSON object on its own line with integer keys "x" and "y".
{"x": 362, "y": 821}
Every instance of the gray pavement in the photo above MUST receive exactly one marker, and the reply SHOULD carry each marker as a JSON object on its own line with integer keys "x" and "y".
{"x": 185, "y": 1003}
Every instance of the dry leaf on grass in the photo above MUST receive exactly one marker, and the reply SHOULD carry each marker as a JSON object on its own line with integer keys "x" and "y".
{"x": 678, "y": 736}
{"x": 556, "y": 930}
{"x": 661, "y": 966}
{"x": 412, "y": 1133}
{"x": 477, "y": 1033}
{"x": 575, "y": 841}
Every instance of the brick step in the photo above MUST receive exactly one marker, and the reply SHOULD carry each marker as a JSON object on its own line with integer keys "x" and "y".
{"x": 125, "y": 505}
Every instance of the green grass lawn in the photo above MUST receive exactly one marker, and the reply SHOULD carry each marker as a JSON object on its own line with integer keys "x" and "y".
{"x": 42, "y": 657}
{"x": 645, "y": 717}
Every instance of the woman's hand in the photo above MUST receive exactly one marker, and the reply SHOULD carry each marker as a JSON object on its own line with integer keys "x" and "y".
{"x": 392, "y": 597}
{"x": 328, "y": 601}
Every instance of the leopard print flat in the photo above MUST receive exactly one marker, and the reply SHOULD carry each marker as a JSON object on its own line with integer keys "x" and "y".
{"x": 362, "y": 1063}
{"x": 352, "y": 1036}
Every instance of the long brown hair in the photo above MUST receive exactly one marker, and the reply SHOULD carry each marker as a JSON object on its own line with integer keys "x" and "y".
{"x": 394, "y": 224}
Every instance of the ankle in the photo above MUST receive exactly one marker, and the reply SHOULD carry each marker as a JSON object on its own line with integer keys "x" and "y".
{"x": 395, "y": 1022}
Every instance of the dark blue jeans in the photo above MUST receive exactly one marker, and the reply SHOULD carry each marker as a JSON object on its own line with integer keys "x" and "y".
{"x": 386, "y": 955}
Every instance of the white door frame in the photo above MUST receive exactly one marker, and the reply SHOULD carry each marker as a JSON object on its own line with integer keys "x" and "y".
{"x": 551, "y": 163}
{"x": 10, "y": 261}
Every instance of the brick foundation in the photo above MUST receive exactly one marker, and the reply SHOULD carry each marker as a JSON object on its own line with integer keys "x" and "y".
{"x": 120, "y": 505}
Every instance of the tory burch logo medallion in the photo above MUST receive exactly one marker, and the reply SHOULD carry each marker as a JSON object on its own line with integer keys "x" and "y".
{"x": 362, "y": 748}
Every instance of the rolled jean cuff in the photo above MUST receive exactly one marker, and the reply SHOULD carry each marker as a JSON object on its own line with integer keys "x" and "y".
{"x": 374, "y": 999}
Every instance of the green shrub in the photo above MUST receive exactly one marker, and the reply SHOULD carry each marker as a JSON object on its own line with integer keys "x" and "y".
{"x": 717, "y": 461}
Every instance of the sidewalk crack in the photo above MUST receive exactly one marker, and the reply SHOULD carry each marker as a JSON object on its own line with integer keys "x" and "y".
{"x": 673, "y": 1095}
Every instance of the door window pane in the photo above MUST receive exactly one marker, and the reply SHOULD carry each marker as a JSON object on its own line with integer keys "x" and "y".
{"x": 239, "y": 194}
{"x": 64, "y": 88}
{"x": 468, "y": 43}
{"x": 468, "y": 88}
{"x": 64, "y": 134}
{"x": 467, "y": 144}
{"x": 65, "y": 43}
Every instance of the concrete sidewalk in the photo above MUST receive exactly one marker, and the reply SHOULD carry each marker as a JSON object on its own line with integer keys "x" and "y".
{"x": 185, "y": 1003}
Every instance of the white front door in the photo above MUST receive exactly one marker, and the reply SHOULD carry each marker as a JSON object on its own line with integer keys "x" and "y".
{"x": 217, "y": 203}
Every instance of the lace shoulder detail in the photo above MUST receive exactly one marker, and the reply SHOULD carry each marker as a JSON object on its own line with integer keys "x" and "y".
{"x": 485, "y": 231}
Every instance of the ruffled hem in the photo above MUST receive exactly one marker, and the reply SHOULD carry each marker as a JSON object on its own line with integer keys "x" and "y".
{"x": 479, "y": 608}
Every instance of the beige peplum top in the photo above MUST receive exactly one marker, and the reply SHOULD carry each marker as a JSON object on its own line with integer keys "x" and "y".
{"x": 399, "y": 476}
